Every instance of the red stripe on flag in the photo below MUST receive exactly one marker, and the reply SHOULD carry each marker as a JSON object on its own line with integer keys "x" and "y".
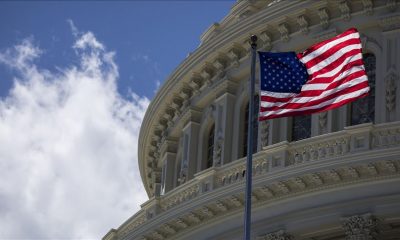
{"x": 293, "y": 105}
{"x": 337, "y": 78}
{"x": 322, "y": 109}
{"x": 319, "y": 45}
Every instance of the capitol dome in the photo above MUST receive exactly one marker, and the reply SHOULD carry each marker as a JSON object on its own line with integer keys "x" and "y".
{"x": 327, "y": 176}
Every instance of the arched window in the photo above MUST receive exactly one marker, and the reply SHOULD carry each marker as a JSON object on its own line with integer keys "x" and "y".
{"x": 301, "y": 127}
{"x": 255, "y": 126}
{"x": 363, "y": 109}
{"x": 210, "y": 147}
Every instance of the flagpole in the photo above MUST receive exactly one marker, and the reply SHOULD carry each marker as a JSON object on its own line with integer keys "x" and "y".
{"x": 249, "y": 164}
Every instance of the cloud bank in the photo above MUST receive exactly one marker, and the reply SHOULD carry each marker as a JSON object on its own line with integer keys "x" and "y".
{"x": 68, "y": 146}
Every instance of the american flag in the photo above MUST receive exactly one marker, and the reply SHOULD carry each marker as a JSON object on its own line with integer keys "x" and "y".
{"x": 327, "y": 75}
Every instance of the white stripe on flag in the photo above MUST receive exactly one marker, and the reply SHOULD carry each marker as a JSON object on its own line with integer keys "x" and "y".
{"x": 327, "y": 46}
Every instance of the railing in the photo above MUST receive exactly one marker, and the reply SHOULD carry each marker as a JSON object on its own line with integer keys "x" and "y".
{"x": 333, "y": 145}
{"x": 330, "y": 146}
{"x": 180, "y": 194}
{"x": 135, "y": 221}
{"x": 386, "y": 136}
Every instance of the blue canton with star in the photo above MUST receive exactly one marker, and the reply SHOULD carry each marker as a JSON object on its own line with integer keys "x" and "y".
{"x": 282, "y": 72}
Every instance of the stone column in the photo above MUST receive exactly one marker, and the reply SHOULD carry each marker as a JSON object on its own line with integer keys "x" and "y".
{"x": 223, "y": 127}
{"x": 264, "y": 133}
{"x": 274, "y": 133}
{"x": 322, "y": 123}
{"x": 190, "y": 146}
{"x": 390, "y": 65}
{"x": 156, "y": 179}
{"x": 167, "y": 177}
{"x": 361, "y": 227}
{"x": 168, "y": 150}
{"x": 285, "y": 129}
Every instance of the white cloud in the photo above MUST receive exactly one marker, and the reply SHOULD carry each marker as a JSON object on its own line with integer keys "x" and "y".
{"x": 68, "y": 146}
{"x": 74, "y": 29}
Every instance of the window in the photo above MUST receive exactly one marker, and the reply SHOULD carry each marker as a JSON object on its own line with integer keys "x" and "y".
{"x": 301, "y": 127}
{"x": 363, "y": 109}
{"x": 255, "y": 126}
{"x": 210, "y": 147}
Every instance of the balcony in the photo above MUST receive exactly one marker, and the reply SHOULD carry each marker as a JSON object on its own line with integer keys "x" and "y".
{"x": 359, "y": 153}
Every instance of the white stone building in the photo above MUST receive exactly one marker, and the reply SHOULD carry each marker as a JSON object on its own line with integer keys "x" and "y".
{"x": 334, "y": 175}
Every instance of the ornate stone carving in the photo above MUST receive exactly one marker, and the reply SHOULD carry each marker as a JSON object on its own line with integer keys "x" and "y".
{"x": 390, "y": 167}
{"x": 333, "y": 175}
{"x": 324, "y": 17}
{"x": 315, "y": 179}
{"x": 391, "y": 4}
{"x": 235, "y": 201}
{"x": 322, "y": 120}
{"x": 221, "y": 206}
{"x": 351, "y": 172}
{"x": 207, "y": 212}
{"x": 284, "y": 31}
{"x": 391, "y": 87}
{"x": 206, "y": 76}
{"x": 208, "y": 73}
{"x": 361, "y": 227}
{"x": 367, "y": 6}
{"x": 266, "y": 192}
{"x": 254, "y": 198}
{"x": 282, "y": 187}
{"x": 183, "y": 174}
{"x": 168, "y": 229}
{"x": 169, "y": 115}
{"x": 265, "y": 37}
{"x": 180, "y": 223}
{"x": 299, "y": 183}
{"x": 220, "y": 65}
{"x": 218, "y": 149}
{"x": 163, "y": 124}
{"x": 264, "y": 133}
{"x": 345, "y": 10}
{"x": 303, "y": 23}
{"x": 196, "y": 82}
{"x": 372, "y": 169}
{"x": 279, "y": 235}
{"x": 193, "y": 218}
{"x": 176, "y": 104}
{"x": 390, "y": 22}
{"x": 235, "y": 54}
{"x": 157, "y": 236}
{"x": 209, "y": 112}
{"x": 185, "y": 94}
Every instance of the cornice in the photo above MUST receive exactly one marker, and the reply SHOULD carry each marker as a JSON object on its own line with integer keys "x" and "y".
{"x": 390, "y": 22}
{"x": 226, "y": 50}
{"x": 169, "y": 145}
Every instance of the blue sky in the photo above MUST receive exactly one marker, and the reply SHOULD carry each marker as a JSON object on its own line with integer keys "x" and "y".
{"x": 75, "y": 82}
{"x": 150, "y": 38}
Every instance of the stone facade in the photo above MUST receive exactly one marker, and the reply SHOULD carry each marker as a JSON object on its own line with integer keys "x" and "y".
{"x": 339, "y": 183}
